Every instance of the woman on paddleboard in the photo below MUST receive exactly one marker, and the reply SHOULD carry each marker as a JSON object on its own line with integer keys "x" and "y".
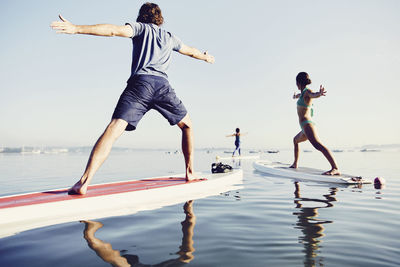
{"x": 237, "y": 135}
{"x": 308, "y": 129}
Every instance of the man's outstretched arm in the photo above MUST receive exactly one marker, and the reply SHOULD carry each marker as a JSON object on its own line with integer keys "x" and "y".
{"x": 65, "y": 26}
{"x": 195, "y": 53}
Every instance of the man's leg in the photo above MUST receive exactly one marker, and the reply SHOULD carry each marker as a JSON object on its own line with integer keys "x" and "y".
{"x": 187, "y": 145}
{"x": 99, "y": 154}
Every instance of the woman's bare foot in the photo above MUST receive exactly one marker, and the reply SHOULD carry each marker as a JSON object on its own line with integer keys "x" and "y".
{"x": 332, "y": 172}
{"x": 78, "y": 188}
{"x": 294, "y": 166}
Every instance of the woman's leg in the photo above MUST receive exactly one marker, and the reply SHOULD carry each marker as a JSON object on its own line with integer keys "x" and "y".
{"x": 237, "y": 147}
{"x": 300, "y": 137}
{"x": 311, "y": 133}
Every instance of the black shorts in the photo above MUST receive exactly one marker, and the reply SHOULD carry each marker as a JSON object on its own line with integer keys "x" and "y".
{"x": 145, "y": 92}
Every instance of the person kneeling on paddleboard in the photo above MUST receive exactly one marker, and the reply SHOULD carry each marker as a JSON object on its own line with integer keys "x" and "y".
{"x": 308, "y": 129}
{"x": 147, "y": 88}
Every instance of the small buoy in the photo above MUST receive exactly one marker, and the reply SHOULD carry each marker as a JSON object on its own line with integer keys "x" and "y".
{"x": 379, "y": 181}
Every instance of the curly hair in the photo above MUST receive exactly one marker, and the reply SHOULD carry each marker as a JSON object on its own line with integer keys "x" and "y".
{"x": 150, "y": 13}
{"x": 303, "y": 79}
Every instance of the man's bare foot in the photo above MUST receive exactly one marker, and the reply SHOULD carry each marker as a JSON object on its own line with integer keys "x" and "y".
{"x": 332, "y": 172}
{"x": 192, "y": 177}
{"x": 293, "y": 166}
{"x": 78, "y": 189}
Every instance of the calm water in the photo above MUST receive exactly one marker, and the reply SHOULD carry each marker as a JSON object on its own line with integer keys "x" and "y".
{"x": 270, "y": 222}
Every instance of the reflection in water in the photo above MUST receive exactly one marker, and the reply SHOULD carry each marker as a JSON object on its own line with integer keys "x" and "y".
{"x": 186, "y": 249}
{"x": 310, "y": 225}
{"x": 237, "y": 163}
{"x": 105, "y": 251}
{"x": 379, "y": 186}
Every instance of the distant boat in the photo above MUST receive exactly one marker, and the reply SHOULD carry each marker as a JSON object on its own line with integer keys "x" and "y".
{"x": 11, "y": 150}
{"x": 55, "y": 150}
{"x": 30, "y": 151}
{"x": 307, "y": 150}
{"x": 173, "y": 152}
{"x": 369, "y": 150}
{"x": 272, "y": 151}
{"x": 337, "y": 150}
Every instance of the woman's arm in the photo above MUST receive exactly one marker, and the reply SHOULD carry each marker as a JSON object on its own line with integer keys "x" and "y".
{"x": 65, "y": 26}
{"x": 321, "y": 92}
{"x": 295, "y": 96}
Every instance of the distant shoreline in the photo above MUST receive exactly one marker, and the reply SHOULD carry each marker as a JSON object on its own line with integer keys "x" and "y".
{"x": 83, "y": 149}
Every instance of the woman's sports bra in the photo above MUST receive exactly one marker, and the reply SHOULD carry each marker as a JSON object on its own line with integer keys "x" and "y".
{"x": 301, "y": 102}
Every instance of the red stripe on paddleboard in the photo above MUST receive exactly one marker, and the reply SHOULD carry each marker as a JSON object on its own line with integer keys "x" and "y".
{"x": 93, "y": 191}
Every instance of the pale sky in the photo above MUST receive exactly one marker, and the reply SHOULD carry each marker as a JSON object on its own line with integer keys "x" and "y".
{"x": 61, "y": 90}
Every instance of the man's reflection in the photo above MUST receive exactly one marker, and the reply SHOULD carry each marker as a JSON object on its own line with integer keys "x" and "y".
{"x": 186, "y": 249}
{"x": 310, "y": 225}
{"x": 105, "y": 251}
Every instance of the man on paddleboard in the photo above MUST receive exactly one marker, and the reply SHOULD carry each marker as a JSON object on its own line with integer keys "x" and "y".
{"x": 147, "y": 88}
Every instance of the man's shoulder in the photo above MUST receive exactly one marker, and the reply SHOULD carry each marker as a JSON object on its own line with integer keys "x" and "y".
{"x": 161, "y": 30}
{"x": 147, "y": 28}
{"x": 155, "y": 31}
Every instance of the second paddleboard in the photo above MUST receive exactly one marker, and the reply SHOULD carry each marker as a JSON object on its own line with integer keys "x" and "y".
{"x": 303, "y": 173}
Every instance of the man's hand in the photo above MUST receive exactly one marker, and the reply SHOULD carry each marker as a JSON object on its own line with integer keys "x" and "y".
{"x": 209, "y": 58}
{"x": 63, "y": 26}
{"x": 195, "y": 53}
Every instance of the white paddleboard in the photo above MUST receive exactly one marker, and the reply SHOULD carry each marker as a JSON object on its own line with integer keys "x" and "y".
{"x": 303, "y": 173}
{"x": 218, "y": 158}
{"x": 28, "y": 211}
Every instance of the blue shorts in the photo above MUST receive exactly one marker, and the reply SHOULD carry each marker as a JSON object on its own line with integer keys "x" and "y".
{"x": 145, "y": 92}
